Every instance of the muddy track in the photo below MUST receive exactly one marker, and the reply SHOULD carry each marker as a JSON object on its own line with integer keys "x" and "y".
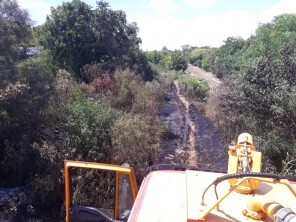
{"x": 211, "y": 152}
{"x": 192, "y": 137}
{"x": 172, "y": 114}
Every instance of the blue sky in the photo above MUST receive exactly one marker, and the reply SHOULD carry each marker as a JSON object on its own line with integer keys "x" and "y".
{"x": 174, "y": 23}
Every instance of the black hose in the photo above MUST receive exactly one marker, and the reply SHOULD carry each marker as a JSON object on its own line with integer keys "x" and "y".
{"x": 247, "y": 174}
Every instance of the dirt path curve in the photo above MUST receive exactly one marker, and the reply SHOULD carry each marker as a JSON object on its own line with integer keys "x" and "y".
{"x": 196, "y": 71}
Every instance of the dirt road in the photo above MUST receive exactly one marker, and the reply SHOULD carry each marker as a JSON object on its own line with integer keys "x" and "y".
{"x": 194, "y": 138}
{"x": 212, "y": 153}
{"x": 196, "y": 71}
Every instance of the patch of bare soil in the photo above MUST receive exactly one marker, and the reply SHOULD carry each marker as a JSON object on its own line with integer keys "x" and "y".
{"x": 212, "y": 152}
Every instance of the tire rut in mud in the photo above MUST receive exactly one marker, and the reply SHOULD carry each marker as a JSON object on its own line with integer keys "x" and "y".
{"x": 212, "y": 152}
{"x": 172, "y": 113}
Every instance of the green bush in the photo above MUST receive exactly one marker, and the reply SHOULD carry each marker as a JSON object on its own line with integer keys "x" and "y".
{"x": 195, "y": 88}
{"x": 177, "y": 74}
{"x": 177, "y": 61}
{"x": 136, "y": 140}
{"x": 148, "y": 98}
{"x": 87, "y": 127}
{"x": 262, "y": 102}
{"x": 22, "y": 111}
{"x": 202, "y": 57}
{"x": 80, "y": 129}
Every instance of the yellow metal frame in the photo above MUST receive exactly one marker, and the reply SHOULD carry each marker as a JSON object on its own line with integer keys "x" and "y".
{"x": 237, "y": 184}
{"x": 68, "y": 164}
{"x": 250, "y": 152}
{"x": 235, "y": 154}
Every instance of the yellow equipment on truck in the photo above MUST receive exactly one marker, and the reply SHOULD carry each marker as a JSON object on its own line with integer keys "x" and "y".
{"x": 183, "y": 193}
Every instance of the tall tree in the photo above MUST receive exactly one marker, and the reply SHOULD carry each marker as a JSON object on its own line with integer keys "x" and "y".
{"x": 227, "y": 57}
{"x": 271, "y": 36}
{"x": 69, "y": 37}
{"x": 177, "y": 61}
{"x": 24, "y": 91}
{"x": 15, "y": 30}
{"x": 77, "y": 35}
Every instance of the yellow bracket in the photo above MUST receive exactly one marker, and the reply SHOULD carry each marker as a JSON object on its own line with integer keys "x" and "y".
{"x": 243, "y": 157}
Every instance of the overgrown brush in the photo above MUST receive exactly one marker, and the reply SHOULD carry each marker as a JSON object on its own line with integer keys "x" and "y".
{"x": 261, "y": 101}
{"x": 289, "y": 164}
{"x": 194, "y": 88}
{"x": 136, "y": 140}
{"x": 111, "y": 120}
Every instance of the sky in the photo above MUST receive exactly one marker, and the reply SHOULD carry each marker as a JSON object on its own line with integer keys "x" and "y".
{"x": 174, "y": 23}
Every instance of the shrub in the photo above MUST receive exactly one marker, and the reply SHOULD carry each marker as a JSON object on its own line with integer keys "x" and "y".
{"x": 65, "y": 86}
{"x": 80, "y": 130}
{"x": 87, "y": 127}
{"x": 126, "y": 87}
{"x": 148, "y": 98}
{"x": 177, "y": 61}
{"x": 261, "y": 101}
{"x": 177, "y": 74}
{"x": 22, "y": 107}
{"x": 195, "y": 88}
{"x": 136, "y": 140}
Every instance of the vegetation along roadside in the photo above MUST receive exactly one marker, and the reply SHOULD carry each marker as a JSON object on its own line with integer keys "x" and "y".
{"x": 90, "y": 93}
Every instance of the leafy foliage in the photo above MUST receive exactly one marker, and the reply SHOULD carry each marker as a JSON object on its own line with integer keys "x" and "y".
{"x": 155, "y": 56}
{"x": 76, "y": 35}
{"x": 22, "y": 112}
{"x": 195, "y": 88}
{"x": 259, "y": 88}
{"x": 177, "y": 61}
{"x": 168, "y": 60}
{"x": 271, "y": 36}
{"x": 68, "y": 36}
{"x": 136, "y": 139}
{"x": 262, "y": 102}
{"x": 15, "y": 31}
{"x": 46, "y": 118}
{"x": 87, "y": 127}
{"x": 82, "y": 127}
{"x": 202, "y": 57}
{"x": 227, "y": 57}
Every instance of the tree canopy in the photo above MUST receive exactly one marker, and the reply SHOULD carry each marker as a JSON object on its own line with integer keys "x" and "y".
{"x": 14, "y": 32}
{"x": 77, "y": 35}
{"x": 25, "y": 88}
{"x": 258, "y": 94}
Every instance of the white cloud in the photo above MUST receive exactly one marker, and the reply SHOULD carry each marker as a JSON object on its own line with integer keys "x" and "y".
{"x": 38, "y": 10}
{"x": 283, "y": 6}
{"x": 206, "y": 29}
{"x": 33, "y": 4}
{"x": 163, "y": 5}
{"x": 200, "y": 3}
{"x": 157, "y": 32}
